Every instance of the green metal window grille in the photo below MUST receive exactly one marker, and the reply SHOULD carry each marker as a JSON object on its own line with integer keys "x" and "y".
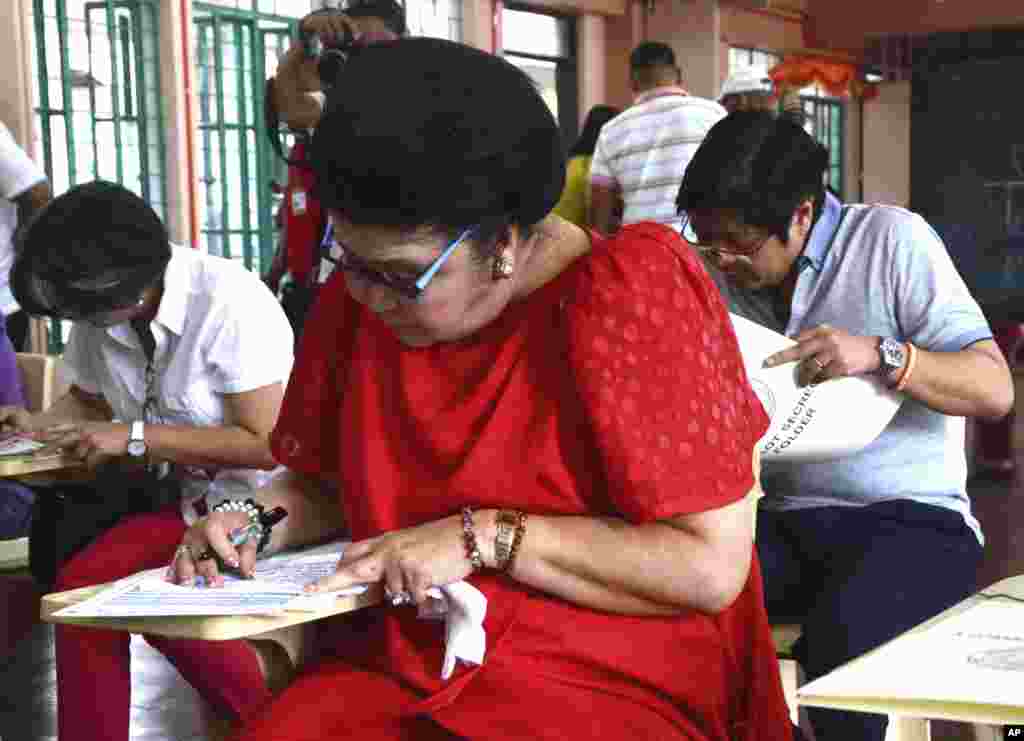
{"x": 236, "y": 50}
{"x": 99, "y": 106}
{"x": 826, "y": 122}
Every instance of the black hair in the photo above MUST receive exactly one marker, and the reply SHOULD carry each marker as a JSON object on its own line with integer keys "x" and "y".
{"x": 651, "y": 54}
{"x": 759, "y": 164}
{"x": 598, "y": 116}
{"x": 389, "y": 11}
{"x": 95, "y": 248}
{"x": 423, "y": 131}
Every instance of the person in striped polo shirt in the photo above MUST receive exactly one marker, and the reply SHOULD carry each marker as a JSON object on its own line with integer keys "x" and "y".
{"x": 642, "y": 154}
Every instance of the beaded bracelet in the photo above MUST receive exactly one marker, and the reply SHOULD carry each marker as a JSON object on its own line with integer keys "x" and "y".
{"x": 469, "y": 540}
{"x": 253, "y": 510}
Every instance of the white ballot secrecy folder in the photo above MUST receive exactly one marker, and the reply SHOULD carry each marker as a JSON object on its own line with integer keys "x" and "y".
{"x": 823, "y": 421}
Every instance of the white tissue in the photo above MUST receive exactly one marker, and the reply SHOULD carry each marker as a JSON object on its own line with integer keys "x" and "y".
{"x": 462, "y": 607}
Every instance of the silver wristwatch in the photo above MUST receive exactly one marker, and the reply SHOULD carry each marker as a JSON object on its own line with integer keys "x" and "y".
{"x": 137, "y": 439}
{"x": 892, "y": 354}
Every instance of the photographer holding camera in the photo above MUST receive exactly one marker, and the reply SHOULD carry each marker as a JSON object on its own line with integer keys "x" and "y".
{"x": 295, "y": 97}
{"x": 297, "y": 91}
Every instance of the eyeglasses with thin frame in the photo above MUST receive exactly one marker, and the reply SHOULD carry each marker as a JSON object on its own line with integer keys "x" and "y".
{"x": 711, "y": 249}
{"x": 408, "y": 287}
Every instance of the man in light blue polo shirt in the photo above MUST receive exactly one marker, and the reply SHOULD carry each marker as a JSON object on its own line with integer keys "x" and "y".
{"x": 863, "y": 548}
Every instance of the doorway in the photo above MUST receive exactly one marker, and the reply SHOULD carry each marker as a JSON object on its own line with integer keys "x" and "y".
{"x": 543, "y": 45}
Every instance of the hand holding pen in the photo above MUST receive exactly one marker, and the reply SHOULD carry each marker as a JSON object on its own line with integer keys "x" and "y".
{"x": 195, "y": 559}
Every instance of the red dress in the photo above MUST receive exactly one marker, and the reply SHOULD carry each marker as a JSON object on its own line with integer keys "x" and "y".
{"x": 616, "y": 389}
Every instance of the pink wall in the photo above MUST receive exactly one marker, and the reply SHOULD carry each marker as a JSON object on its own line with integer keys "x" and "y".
{"x": 692, "y": 29}
{"x": 478, "y": 23}
{"x": 843, "y": 24}
{"x": 16, "y": 82}
{"x": 887, "y": 145}
{"x": 753, "y": 29}
{"x": 622, "y": 33}
{"x": 591, "y": 64}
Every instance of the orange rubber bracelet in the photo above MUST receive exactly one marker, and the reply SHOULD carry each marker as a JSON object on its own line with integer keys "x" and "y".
{"x": 909, "y": 369}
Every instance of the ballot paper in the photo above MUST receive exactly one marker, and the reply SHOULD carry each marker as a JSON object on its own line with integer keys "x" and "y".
{"x": 13, "y": 444}
{"x": 277, "y": 586}
{"x": 822, "y": 421}
{"x": 975, "y": 657}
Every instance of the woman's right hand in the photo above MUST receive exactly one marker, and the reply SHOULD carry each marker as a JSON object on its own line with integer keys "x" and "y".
{"x": 17, "y": 419}
{"x": 207, "y": 538}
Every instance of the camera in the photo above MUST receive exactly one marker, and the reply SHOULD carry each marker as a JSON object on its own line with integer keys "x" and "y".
{"x": 330, "y": 59}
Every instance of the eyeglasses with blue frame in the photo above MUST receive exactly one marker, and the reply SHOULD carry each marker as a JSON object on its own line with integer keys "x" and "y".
{"x": 410, "y": 288}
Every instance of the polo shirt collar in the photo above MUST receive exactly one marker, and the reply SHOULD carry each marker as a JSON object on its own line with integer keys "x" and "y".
{"x": 173, "y": 302}
{"x": 659, "y": 92}
{"x": 177, "y": 287}
{"x": 822, "y": 234}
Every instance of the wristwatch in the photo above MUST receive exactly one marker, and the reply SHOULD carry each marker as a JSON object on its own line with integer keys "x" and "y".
{"x": 892, "y": 354}
{"x": 137, "y": 439}
{"x": 506, "y": 521}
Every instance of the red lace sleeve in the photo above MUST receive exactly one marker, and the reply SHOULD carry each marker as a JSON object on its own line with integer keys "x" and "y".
{"x": 659, "y": 373}
{"x": 305, "y": 438}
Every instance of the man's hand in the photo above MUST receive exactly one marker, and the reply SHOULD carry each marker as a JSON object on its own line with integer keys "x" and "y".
{"x": 93, "y": 443}
{"x": 826, "y": 352}
{"x": 333, "y": 29}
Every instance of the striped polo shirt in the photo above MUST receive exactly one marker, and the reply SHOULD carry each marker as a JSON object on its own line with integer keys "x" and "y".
{"x": 643, "y": 153}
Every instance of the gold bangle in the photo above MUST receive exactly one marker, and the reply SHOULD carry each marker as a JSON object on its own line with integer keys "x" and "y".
{"x": 516, "y": 541}
{"x": 505, "y": 521}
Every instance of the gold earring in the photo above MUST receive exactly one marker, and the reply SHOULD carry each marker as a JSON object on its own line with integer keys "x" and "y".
{"x": 504, "y": 266}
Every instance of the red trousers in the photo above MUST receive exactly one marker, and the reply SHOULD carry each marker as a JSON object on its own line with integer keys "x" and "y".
{"x": 93, "y": 665}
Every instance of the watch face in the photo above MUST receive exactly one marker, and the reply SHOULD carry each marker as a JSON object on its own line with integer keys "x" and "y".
{"x": 136, "y": 448}
{"x": 892, "y": 354}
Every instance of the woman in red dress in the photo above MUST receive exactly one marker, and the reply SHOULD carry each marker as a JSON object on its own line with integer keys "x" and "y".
{"x": 487, "y": 393}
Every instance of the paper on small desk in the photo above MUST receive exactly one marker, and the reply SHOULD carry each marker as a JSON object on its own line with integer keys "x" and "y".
{"x": 828, "y": 420}
{"x": 277, "y": 586}
{"x": 15, "y": 444}
{"x": 974, "y": 657}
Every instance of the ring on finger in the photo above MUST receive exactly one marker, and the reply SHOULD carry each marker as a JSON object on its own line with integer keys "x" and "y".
{"x": 397, "y": 599}
{"x": 205, "y": 555}
{"x": 182, "y": 550}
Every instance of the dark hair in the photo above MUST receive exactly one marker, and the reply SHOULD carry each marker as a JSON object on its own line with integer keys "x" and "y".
{"x": 95, "y": 248}
{"x": 598, "y": 116}
{"x": 460, "y": 138}
{"x": 651, "y": 54}
{"x": 761, "y": 165}
{"x": 389, "y": 11}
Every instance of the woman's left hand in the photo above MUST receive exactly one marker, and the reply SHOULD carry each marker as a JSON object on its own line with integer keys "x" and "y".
{"x": 411, "y": 560}
{"x": 93, "y": 443}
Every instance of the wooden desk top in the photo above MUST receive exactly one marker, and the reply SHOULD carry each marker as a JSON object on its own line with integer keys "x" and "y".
{"x": 877, "y": 662}
{"x": 25, "y": 465}
{"x": 210, "y": 628}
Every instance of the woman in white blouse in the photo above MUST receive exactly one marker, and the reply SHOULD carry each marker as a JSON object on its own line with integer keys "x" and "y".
{"x": 178, "y": 362}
